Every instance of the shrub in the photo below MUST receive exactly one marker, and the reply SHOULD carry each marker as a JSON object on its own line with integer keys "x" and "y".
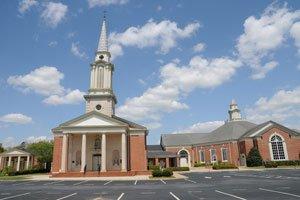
{"x": 154, "y": 167}
{"x": 6, "y": 171}
{"x": 288, "y": 162}
{"x": 270, "y": 164}
{"x": 224, "y": 166}
{"x": 254, "y": 158}
{"x": 167, "y": 173}
{"x": 199, "y": 164}
{"x": 179, "y": 168}
{"x": 157, "y": 173}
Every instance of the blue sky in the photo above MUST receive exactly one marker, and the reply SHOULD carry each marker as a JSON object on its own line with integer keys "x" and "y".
{"x": 178, "y": 64}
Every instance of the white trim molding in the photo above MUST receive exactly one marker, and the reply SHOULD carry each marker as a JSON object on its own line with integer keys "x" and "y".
{"x": 283, "y": 144}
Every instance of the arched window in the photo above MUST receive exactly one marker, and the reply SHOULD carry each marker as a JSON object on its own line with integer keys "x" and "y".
{"x": 277, "y": 147}
{"x": 183, "y": 154}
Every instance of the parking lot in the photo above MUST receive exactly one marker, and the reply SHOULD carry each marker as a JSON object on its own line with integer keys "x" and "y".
{"x": 271, "y": 184}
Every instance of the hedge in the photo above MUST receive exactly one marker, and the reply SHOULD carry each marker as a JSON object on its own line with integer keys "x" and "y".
{"x": 274, "y": 164}
{"x": 224, "y": 166}
{"x": 8, "y": 171}
{"x": 153, "y": 167}
{"x": 162, "y": 173}
{"x": 199, "y": 164}
{"x": 179, "y": 168}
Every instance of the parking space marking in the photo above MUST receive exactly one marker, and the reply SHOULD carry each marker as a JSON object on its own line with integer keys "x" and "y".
{"x": 173, "y": 195}
{"x": 120, "y": 196}
{"x": 80, "y": 182}
{"x": 135, "y": 182}
{"x": 208, "y": 177}
{"x": 190, "y": 181}
{"x": 226, "y": 176}
{"x": 163, "y": 181}
{"x": 51, "y": 183}
{"x": 107, "y": 182}
{"x": 70, "y": 195}
{"x": 148, "y": 193}
{"x": 18, "y": 195}
{"x": 275, "y": 191}
{"x": 231, "y": 195}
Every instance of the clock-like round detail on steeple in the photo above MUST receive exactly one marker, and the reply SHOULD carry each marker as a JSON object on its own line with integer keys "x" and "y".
{"x": 101, "y": 57}
{"x": 98, "y": 107}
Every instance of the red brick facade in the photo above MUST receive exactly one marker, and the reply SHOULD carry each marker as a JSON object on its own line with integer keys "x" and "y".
{"x": 57, "y": 154}
{"x": 138, "y": 157}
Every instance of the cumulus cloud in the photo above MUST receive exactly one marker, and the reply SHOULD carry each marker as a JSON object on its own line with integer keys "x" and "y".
{"x": 202, "y": 127}
{"x": 177, "y": 81}
{"x": 46, "y": 81}
{"x": 8, "y": 142}
{"x": 72, "y": 97}
{"x": 25, "y": 5}
{"x": 54, "y": 13}
{"x": 263, "y": 35}
{"x": 199, "y": 47}
{"x": 34, "y": 139}
{"x": 76, "y": 51}
{"x": 283, "y": 106}
{"x": 93, "y": 3}
{"x": 52, "y": 44}
{"x": 16, "y": 118}
{"x": 163, "y": 35}
{"x": 295, "y": 33}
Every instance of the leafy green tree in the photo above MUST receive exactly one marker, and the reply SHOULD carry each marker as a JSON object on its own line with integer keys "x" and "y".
{"x": 43, "y": 151}
{"x": 1, "y": 148}
{"x": 254, "y": 158}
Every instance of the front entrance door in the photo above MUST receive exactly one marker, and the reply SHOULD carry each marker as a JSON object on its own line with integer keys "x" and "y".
{"x": 96, "y": 162}
{"x": 183, "y": 162}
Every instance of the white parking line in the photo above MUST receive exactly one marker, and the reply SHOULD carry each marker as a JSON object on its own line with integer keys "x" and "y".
{"x": 163, "y": 181}
{"x": 173, "y": 195}
{"x": 190, "y": 181}
{"x": 226, "y": 176}
{"x": 208, "y": 177}
{"x": 19, "y": 195}
{"x": 107, "y": 182}
{"x": 80, "y": 182}
{"x": 286, "y": 193}
{"x": 70, "y": 195}
{"x": 147, "y": 193}
{"x": 231, "y": 195}
{"x": 120, "y": 196}
{"x": 53, "y": 182}
{"x": 135, "y": 182}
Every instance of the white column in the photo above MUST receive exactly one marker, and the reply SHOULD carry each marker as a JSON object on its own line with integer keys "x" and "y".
{"x": 9, "y": 161}
{"x": 27, "y": 162}
{"x": 83, "y": 152}
{"x": 64, "y": 153}
{"x": 92, "y": 78}
{"x": 18, "y": 165}
{"x": 124, "y": 152}
{"x": 103, "y": 153}
{"x": 0, "y": 162}
{"x": 95, "y": 77}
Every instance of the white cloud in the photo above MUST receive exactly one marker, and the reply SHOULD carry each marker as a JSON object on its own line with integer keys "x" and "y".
{"x": 176, "y": 83}
{"x": 54, "y": 13}
{"x": 25, "y": 5}
{"x": 100, "y": 3}
{"x": 141, "y": 81}
{"x": 72, "y": 97}
{"x": 75, "y": 50}
{"x": 283, "y": 106}
{"x": 262, "y": 36}
{"x": 16, "y": 118}
{"x": 52, "y": 44}
{"x": 159, "y": 8}
{"x": 199, "y": 47}
{"x": 8, "y": 142}
{"x": 34, "y": 139}
{"x": 46, "y": 81}
{"x": 202, "y": 127}
{"x": 163, "y": 35}
{"x": 295, "y": 33}
{"x": 71, "y": 35}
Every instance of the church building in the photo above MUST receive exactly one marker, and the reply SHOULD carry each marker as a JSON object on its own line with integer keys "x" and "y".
{"x": 99, "y": 143}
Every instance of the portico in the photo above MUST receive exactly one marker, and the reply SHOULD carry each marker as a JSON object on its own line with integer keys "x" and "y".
{"x": 17, "y": 159}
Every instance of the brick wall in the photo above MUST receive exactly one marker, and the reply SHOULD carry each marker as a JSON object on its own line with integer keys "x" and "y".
{"x": 138, "y": 157}
{"x": 57, "y": 154}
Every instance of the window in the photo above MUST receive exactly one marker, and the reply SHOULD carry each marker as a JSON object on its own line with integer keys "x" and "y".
{"x": 224, "y": 154}
{"x": 202, "y": 156}
{"x": 277, "y": 148}
{"x": 213, "y": 155}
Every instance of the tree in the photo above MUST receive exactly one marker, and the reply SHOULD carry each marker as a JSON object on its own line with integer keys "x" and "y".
{"x": 254, "y": 158}
{"x": 1, "y": 148}
{"x": 43, "y": 151}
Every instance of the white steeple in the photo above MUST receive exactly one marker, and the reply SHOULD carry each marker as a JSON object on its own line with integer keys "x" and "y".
{"x": 234, "y": 112}
{"x": 103, "y": 42}
{"x": 101, "y": 97}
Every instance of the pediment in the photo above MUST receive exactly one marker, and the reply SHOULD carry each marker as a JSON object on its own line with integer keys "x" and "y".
{"x": 94, "y": 121}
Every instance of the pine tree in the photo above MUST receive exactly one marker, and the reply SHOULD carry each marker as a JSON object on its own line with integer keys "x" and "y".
{"x": 254, "y": 158}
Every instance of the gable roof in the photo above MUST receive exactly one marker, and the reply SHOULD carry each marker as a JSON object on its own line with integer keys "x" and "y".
{"x": 15, "y": 151}
{"x": 156, "y": 151}
{"x": 104, "y": 119}
{"x": 262, "y": 128}
{"x": 229, "y": 131}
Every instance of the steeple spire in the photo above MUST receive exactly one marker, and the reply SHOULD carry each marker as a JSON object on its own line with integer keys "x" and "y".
{"x": 234, "y": 112}
{"x": 103, "y": 42}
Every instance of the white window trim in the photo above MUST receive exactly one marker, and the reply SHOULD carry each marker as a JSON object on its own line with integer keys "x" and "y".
{"x": 284, "y": 148}
{"x": 211, "y": 156}
{"x": 222, "y": 154}
{"x": 202, "y": 150}
{"x": 189, "y": 156}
